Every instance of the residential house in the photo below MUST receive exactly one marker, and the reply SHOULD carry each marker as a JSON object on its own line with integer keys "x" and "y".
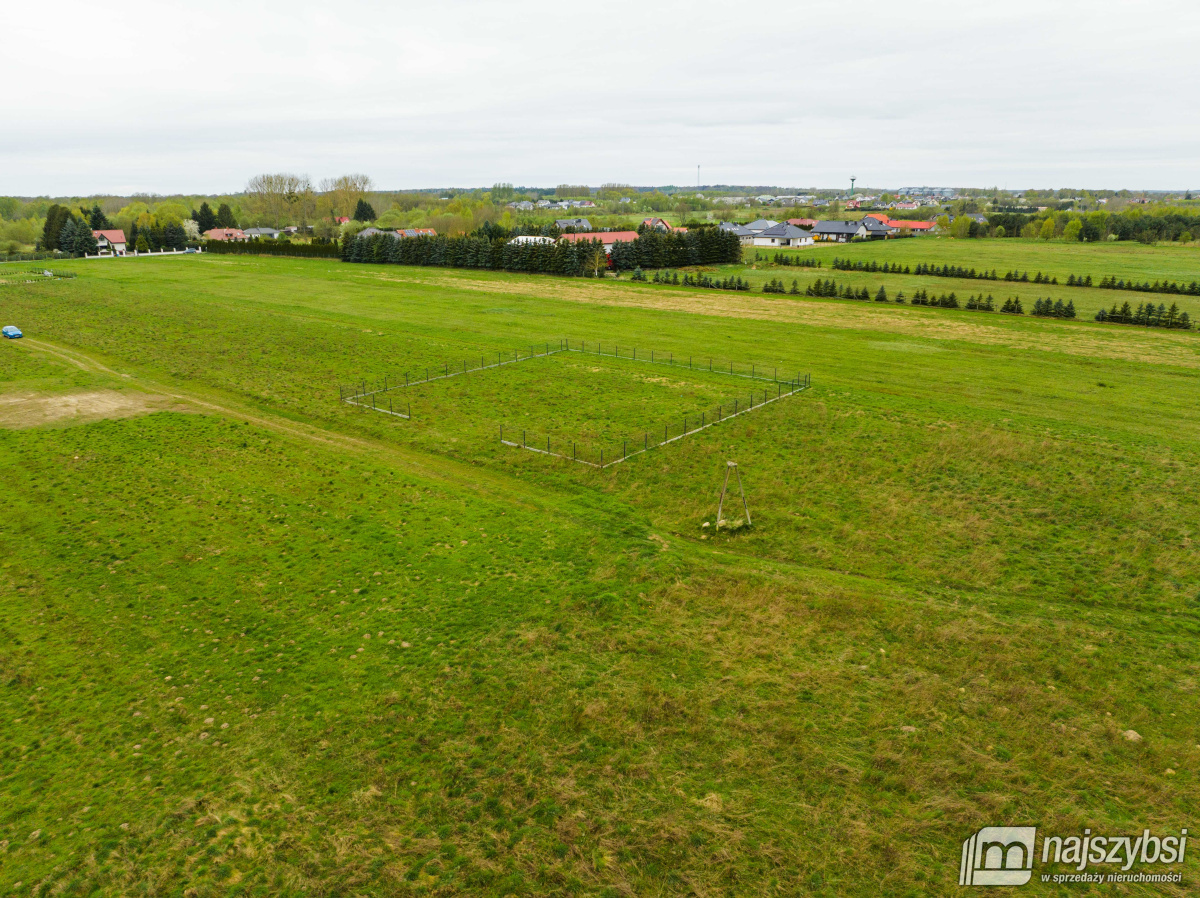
{"x": 875, "y": 229}
{"x": 836, "y": 231}
{"x": 808, "y": 223}
{"x": 522, "y": 205}
{"x": 760, "y": 225}
{"x": 915, "y": 227}
{"x": 342, "y": 219}
{"x": 765, "y": 198}
{"x": 661, "y": 224}
{"x": 744, "y": 234}
{"x": 110, "y": 242}
{"x": 416, "y": 232}
{"x": 784, "y": 235}
{"x": 579, "y": 224}
{"x": 264, "y": 233}
{"x": 373, "y": 232}
{"x": 225, "y": 234}
{"x": 607, "y": 238}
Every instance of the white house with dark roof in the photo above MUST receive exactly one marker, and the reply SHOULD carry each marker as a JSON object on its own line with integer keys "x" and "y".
{"x": 744, "y": 234}
{"x": 783, "y": 235}
{"x": 838, "y": 231}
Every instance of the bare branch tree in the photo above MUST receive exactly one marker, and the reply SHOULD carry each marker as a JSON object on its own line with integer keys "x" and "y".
{"x": 279, "y": 196}
{"x": 340, "y": 195}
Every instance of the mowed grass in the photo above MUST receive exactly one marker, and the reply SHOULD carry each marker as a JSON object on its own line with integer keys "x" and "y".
{"x": 448, "y": 666}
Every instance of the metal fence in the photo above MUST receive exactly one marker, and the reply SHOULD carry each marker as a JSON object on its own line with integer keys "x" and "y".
{"x": 374, "y": 396}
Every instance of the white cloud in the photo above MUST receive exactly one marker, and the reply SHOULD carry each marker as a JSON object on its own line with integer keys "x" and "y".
{"x": 173, "y": 97}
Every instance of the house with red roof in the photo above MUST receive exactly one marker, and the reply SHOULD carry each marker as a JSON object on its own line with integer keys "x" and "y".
{"x": 803, "y": 222}
{"x": 607, "y": 238}
{"x": 661, "y": 224}
{"x": 110, "y": 242}
{"x": 915, "y": 227}
{"x": 225, "y": 234}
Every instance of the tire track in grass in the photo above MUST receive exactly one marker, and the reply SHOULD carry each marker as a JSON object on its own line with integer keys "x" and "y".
{"x": 496, "y": 487}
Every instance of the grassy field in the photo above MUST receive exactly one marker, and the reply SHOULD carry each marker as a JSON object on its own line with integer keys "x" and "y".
{"x": 256, "y": 641}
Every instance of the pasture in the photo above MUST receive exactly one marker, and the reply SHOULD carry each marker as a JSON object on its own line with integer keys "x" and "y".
{"x": 257, "y": 641}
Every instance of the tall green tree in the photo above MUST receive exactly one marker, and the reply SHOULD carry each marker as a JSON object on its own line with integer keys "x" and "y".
{"x": 363, "y": 211}
{"x": 68, "y": 234}
{"x": 205, "y": 219}
{"x": 97, "y": 220}
{"x": 56, "y": 217}
{"x": 225, "y": 217}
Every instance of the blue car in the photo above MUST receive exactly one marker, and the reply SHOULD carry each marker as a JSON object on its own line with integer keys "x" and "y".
{"x": 11, "y": 332}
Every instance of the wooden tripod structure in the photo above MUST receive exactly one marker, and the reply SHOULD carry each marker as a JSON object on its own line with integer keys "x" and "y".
{"x": 732, "y": 466}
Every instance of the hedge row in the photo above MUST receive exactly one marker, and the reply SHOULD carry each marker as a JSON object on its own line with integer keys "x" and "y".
{"x": 651, "y": 249}
{"x": 272, "y": 248}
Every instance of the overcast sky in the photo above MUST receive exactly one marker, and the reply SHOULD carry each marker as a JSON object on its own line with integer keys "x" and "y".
{"x": 198, "y": 97}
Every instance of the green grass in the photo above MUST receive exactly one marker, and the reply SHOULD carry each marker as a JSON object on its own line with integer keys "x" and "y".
{"x": 978, "y": 527}
{"x": 1054, "y": 259}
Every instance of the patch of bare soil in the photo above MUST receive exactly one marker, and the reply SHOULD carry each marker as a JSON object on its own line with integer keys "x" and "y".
{"x": 22, "y": 410}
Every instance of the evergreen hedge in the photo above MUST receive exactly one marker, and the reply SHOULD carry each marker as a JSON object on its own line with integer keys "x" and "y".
{"x": 272, "y": 248}
{"x": 651, "y": 249}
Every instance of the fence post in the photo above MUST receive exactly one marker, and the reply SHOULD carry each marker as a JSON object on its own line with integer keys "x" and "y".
{"x": 572, "y": 450}
{"x": 624, "y": 448}
{"x": 501, "y": 433}
{"x": 645, "y": 440}
{"x": 409, "y": 403}
{"x": 523, "y": 445}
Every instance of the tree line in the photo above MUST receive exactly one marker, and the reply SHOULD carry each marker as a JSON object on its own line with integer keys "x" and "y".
{"x": 1073, "y": 280}
{"x": 691, "y": 280}
{"x": 1147, "y": 315}
{"x": 491, "y": 247}
{"x": 1113, "y": 283}
{"x": 790, "y": 259}
{"x": 563, "y": 258}
{"x": 1044, "y": 308}
{"x": 696, "y": 246}
{"x": 274, "y": 248}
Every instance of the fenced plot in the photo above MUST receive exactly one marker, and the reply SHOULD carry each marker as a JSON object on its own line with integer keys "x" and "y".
{"x": 593, "y": 403}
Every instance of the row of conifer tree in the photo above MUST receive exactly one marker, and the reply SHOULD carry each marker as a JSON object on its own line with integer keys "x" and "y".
{"x": 1113, "y": 283}
{"x": 692, "y": 280}
{"x": 651, "y": 249}
{"x": 1073, "y": 280}
{"x": 790, "y": 259}
{"x": 1147, "y": 315}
